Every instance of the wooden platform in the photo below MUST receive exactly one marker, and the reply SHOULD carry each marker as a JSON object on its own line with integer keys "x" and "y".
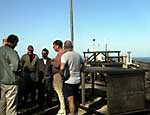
{"x": 125, "y": 88}
{"x": 96, "y": 107}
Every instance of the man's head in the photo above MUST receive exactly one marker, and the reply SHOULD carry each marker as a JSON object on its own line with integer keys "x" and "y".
{"x": 30, "y": 50}
{"x": 45, "y": 53}
{"x": 68, "y": 45}
{"x": 4, "y": 41}
{"x": 12, "y": 40}
{"x": 57, "y": 45}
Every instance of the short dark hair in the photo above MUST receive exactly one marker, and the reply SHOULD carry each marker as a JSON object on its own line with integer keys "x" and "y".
{"x": 46, "y": 50}
{"x": 68, "y": 44}
{"x": 12, "y": 38}
{"x": 59, "y": 43}
{"x": 30, "y": 48}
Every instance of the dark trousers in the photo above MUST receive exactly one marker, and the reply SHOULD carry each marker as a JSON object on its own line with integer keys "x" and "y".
{"x": 45, "y": 91}
{"x": 27, "y": 92}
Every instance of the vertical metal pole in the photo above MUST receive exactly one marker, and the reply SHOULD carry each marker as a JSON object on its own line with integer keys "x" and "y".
{"x": 83, "y": 88}
{"x": 71, "y": 23}
{"x": 106, "y": 54}
{"x": 92, "y": 95}
{"x": 106, "y": 47}
{"x": 94, "y": 49}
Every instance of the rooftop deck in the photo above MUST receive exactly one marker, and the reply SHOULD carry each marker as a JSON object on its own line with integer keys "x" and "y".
{"x": 96, "y": 101}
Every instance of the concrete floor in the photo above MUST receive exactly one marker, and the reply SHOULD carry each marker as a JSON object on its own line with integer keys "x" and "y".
{"x": 96, "y": 107}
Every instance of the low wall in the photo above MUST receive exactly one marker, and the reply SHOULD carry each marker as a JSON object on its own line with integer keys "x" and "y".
{"x": 146, "y": 65}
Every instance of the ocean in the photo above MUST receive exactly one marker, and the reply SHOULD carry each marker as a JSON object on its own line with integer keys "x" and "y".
{"x": 144, "y": 59}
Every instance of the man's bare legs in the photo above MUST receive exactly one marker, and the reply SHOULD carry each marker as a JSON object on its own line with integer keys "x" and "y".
{"x": 71, "y": 104}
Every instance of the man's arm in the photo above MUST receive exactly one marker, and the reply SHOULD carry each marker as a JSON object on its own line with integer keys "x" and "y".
{"x": 62, "y": 67}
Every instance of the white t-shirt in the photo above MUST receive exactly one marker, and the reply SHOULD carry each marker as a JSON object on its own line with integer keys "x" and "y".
{"x": 74, "y": 62}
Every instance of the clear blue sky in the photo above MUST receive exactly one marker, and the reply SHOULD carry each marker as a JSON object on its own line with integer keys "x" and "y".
{"x": 124, "y": 24}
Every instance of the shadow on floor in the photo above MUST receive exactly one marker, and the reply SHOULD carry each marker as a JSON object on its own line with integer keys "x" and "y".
{"x": 32, "y": 108}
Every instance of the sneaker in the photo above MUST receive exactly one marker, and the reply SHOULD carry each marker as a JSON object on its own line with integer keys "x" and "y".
{"x": 60, "y": 112}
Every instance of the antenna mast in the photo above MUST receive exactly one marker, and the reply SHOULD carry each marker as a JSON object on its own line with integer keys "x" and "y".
{"x": 71, "y": 23}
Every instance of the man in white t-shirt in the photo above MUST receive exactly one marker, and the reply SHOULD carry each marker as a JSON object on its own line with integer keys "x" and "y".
{"x": 70, "y": 66}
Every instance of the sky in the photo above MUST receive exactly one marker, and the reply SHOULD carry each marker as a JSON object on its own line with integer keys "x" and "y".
{"x": 123, "y": 24}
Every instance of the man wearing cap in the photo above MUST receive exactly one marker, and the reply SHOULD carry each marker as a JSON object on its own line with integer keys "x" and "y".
{"x": 70, "y": 67}
{"x": 29, "y": 63}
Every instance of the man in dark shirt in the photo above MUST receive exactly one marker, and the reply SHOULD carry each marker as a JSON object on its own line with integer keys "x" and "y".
{"x": 44, "y": 71}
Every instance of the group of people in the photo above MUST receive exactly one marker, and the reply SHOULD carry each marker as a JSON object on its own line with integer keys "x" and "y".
{"x": 21, "y": 78}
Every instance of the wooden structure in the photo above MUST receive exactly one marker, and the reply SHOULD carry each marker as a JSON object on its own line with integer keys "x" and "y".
{"x": 125, "y": 88}
{"x": 106, "y": 64}
{"x": 108, "y": 55}
{"x": 145, "y": 65}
